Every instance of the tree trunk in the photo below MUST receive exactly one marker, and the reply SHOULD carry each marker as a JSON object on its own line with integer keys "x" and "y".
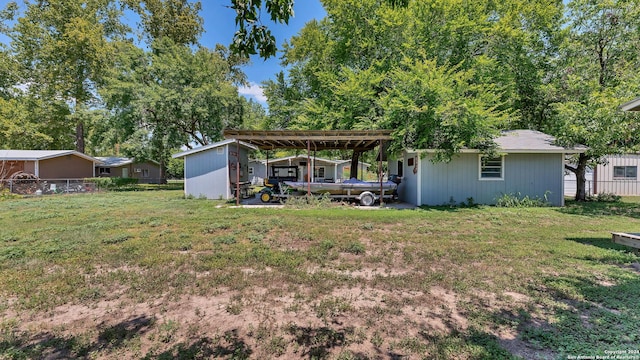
{"x": 580, "y": 170}
{"x": 355, "y": 161}
{"x": 80, "y": 136}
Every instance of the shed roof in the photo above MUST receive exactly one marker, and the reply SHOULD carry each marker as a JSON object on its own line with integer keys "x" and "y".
{"x": 213, "y": 146}
{"x": 633, "y": 105}
{"x": 360, "y": 140}
{"x": 33, "y": 155}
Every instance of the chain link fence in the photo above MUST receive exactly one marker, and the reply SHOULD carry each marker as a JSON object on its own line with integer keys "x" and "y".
{"x": 48, "y": 186}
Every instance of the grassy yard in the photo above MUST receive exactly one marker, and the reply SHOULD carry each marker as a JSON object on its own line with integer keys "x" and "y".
{"x": 152, "y": 275}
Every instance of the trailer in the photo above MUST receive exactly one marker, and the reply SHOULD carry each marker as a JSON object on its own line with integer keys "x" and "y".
{"x": 283, "y": 183}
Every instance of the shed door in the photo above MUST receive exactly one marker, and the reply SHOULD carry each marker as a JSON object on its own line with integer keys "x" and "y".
{"x": 125, "y": 172}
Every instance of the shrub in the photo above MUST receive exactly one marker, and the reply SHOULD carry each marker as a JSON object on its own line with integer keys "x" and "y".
{"x": 516, "y": 200}
{"x": 113, "y": 183}
{"x": 604, "y": 197}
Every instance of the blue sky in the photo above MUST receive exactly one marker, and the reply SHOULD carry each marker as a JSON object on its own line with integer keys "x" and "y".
{"x": 219, "y": 26}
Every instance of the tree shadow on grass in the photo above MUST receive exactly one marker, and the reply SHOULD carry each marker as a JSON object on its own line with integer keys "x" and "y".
{"x": 318, "y": 341}
{"x": 590, "y": 315}
{"x": 53, "y": 346}
{"x": 231, "y": 346}
{"x": 595, "y": 208}
{"x": 616, "y": 254}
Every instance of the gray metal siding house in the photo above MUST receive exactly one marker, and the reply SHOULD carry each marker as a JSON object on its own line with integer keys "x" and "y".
{"x": 530, "y": 165}
{"x": 210, "y": 171}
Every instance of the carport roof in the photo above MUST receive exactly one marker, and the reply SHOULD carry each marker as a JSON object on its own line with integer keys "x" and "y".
{"x": 359, "y": 140}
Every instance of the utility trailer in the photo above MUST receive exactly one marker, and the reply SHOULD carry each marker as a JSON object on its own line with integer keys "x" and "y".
{"x": 283, "y": 184}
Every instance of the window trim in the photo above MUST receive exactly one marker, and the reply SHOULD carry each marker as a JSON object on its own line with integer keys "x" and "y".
{"x": 316, "y": 172}
{"x": 481, "y": 178}
{"x": 625, "y": 177}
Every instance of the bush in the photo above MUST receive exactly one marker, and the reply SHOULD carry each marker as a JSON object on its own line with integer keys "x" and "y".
{"x": 604, "y": 197}
{"x": 516, "y": 200}
{"x": 113, "y": 183}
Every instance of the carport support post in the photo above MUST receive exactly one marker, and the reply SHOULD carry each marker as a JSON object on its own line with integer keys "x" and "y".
{"x": 237, "y": 172}
{"x": 380, "y": 174}
{"x": 308, "y": 168}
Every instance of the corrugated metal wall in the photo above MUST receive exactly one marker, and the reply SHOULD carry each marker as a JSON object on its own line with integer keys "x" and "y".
{"x": 206, "y": 174}
{"x": 608, "y": 183}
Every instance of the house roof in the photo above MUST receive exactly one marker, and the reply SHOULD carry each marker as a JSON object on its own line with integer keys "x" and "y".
{"x": 633, "y": 105}
{"x": 33, "y": 155}
{"x": 531, "y": 141}
{"x": 113, "y": 161}
{"x": 527, "y": 141}
{"x": 213, "y": 146}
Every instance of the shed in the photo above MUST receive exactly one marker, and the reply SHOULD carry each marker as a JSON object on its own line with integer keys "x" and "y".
{"x": 147, "y": 172}
{"x": 530, "y": 164}
{"x": 210, "y": 171}
{"x": 48, "y": 164}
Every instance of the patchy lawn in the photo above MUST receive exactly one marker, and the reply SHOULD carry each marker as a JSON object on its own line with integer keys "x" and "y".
{"x": 154, "y": 275}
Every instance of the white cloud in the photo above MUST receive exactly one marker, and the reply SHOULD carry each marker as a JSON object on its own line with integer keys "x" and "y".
{"x": 255, "y": 91}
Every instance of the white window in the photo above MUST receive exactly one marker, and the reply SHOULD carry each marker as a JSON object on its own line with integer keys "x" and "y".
{"x": 319, "y": 172}
{"x": 625, "y": 172}
{"x": 491, "y": 168}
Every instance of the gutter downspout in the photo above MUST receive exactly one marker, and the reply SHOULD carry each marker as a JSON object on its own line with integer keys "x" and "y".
{"x": 419, "y": 181}
{"x": 237, "y": 172}
{"x": 37, "y": 168}
{"x": 308, "y": 168}
{"x": 380, "y": 174}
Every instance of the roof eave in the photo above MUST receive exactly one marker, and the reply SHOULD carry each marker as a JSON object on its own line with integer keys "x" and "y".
{"x": 633, "y": 105}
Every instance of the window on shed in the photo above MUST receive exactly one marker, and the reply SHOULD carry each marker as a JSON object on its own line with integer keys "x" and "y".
{"x": 491, "y": 168}
{"x": 145, "y": 173}
{"x": 250, "y": 170}
{"x": 318, "y": 172}
{"x": 625, "y": 172}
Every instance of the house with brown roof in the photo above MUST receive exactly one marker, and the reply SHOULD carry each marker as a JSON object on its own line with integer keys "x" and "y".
{"x": 47, "y": 164}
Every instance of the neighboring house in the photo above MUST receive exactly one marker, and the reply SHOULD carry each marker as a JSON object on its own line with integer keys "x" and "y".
{"x": 530, "y": 164}
{"x": 617, "y": 174}
{"x": 48, "y": 164}
{"x": 210, "y": 171}
{"x": 324, "y": 170}
{"x": 147, "y": 172}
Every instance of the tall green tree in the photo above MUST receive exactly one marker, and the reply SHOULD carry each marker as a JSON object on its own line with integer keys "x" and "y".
{"x": 64, "y": 48}
{"x": 178, "y": 20}
{"x": 169, "y": 97}
{"x": 595, "y": 73}
{"x": 479, "y": 63}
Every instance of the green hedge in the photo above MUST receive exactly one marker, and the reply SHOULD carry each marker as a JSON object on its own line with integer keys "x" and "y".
{"x": 112, "y": 183}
